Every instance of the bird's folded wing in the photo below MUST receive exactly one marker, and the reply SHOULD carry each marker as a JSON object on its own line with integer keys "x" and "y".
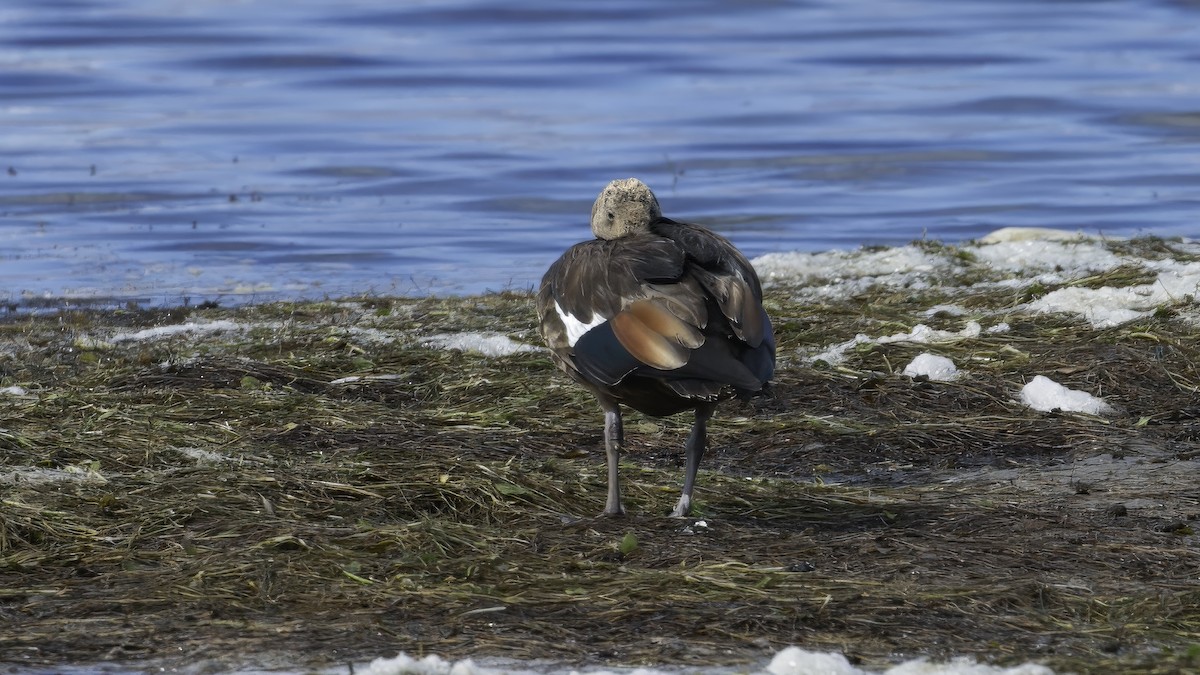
{"x": 738, "y": 302}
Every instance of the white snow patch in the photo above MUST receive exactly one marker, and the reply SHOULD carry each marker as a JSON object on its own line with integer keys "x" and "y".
{"x": 924, "y": 334}
{"x": 13, "y": 391}
{"x": 1042, "y": 393}
{"x": 1001, "y": 327}
{"x": 790, "y": 661}
{"x": 845, "y": 273}
{"x": 403, "y": 664}
{"x": 797, "y": 661}
{"x": 932, "y": 366}
{"x": 202, "y": 456}
{"x": 488, "y": 344}
{"x": 944, "y": 310}
{"x": 28, "y": 475}
{"x": 920, "y": 334}
{"x": 839, "y": 264}
{"x": 372, "y": 336}
{"x": 1102, "y": 307}
{"x": 1012, "y": 234}
{"x": 1029, "y": 254}
{"x": 1037, "y": 250}
{"x": 965, "y": 666}
{"x": 1108, "y": 306}
{"x": 159, "y": 332}
{"x": 1023, "y": 255}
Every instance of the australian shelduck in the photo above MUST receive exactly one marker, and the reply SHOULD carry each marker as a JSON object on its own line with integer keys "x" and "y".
{"x": 658, "y": 315}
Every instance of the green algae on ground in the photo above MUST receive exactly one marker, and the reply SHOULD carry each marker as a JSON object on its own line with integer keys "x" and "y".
{"x": 313, "y": 478}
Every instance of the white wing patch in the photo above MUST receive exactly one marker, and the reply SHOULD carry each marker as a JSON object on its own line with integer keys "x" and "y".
{"x": 575, "y": 327}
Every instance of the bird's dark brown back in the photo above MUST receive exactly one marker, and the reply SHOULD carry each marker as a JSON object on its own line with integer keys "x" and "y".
{"x": 661, "y": 322}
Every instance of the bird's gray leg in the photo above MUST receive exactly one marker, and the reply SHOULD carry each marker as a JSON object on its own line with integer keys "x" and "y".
{"x": 614, "y": 441}
{"x": 696, "y": 442}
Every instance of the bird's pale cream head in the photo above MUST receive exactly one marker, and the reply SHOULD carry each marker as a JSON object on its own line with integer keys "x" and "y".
{"x": 624, "y": 207}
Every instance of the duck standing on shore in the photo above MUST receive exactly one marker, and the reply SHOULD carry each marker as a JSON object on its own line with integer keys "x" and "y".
{"x": 658, "y": 315}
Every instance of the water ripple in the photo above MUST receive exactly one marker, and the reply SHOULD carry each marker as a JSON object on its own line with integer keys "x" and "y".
{"x": 175, "y": 149}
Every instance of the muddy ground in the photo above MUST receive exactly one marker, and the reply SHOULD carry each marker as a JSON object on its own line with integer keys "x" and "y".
{"x": 225, "y": 497}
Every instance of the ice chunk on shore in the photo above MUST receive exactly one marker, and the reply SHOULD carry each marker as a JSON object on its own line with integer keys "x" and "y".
{"x": 1110, "y": 306}
{"x": 1042, "y": 393}
{"x": 403, "y": 664}
{"x": 1025, "y": 255}
{"x": 488, "y": 344}
{"x": 932, "y": 366}
{"x": 159, "y": 332}
{"x": 797, "y": 661}
{"x": 789, "y": 661}
{"x": 919, "y": 334}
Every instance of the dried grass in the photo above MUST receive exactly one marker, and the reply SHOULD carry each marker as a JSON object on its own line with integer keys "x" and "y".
{"x": 220, "y": 491}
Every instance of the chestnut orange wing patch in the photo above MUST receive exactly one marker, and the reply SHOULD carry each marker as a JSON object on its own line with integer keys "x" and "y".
{"x": 666, "y": 323}
{"x": 645, "y": 345}
{"x": 654, "y": 336}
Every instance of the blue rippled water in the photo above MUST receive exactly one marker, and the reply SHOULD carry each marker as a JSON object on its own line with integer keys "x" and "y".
{"x": 255, "y": 149}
